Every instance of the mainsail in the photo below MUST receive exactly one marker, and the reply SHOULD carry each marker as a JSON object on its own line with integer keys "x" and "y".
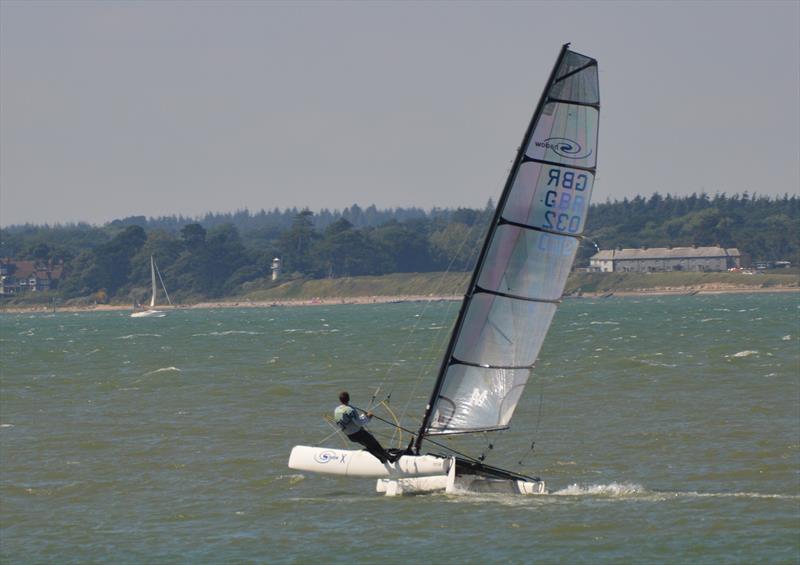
{"x": 525, "y": 260}
{"x": 153, "y": 282}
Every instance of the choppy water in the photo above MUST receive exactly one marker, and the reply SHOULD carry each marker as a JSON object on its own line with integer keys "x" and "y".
{"x": 668, "y": 430}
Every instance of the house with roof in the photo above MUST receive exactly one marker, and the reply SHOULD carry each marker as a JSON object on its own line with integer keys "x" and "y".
{"x": 661, "y": 259}
{"x": 29, "y": 276}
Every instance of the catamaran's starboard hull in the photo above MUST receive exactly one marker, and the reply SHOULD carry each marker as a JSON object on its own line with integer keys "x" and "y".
{"x": 412, "y": 485}
{"x": 452, "y": 484}
{"x": 466, "y": 484}
{"x": 352, "y": 463}
{"x": 149, "y": 314}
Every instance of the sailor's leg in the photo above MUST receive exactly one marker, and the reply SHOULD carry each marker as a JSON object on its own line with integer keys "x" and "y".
{"x": 367, "y": 440}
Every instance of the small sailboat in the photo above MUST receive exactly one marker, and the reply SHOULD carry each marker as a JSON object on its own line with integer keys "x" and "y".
{"x": 511, "y": 299}
{"x": 151, "y": 311}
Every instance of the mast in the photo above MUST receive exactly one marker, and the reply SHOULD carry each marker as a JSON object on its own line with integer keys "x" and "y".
{"x": 446, "y": 360}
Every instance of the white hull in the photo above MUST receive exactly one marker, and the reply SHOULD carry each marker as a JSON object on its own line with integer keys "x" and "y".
{"x": 352, "y": 463}
{"x": 452, "y": 484}
{"x": 412, "y": 485}
{"x": 475, "y": 484}
{"x": 461, "y": 484}
{"x": 411, "y": 474}
{"x": 149, "y": 314}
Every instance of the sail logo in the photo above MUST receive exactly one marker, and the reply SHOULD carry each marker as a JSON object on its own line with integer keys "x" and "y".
{"x": 328, "y": 456}
{"x": 563, "y": 147}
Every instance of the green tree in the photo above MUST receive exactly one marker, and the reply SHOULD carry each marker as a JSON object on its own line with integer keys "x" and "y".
{"x": 194, "y": 236}
{"x": 295, "y": 244}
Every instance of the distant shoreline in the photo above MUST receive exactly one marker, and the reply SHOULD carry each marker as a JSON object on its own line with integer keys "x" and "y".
{"x": 332, "y": 301}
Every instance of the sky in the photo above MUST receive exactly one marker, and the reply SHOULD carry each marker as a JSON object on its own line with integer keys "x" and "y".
{"x": 115, "y": 109}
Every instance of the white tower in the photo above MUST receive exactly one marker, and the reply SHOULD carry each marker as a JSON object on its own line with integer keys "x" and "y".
{"x": 276, "y": 268}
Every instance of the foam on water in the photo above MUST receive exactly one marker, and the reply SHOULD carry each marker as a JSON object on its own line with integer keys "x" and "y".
{"x": 611, "y": 490}
{"x": 739, "y": 495}
{"x": 746, "y": 353}
{"x": 164, "y": 370}
{"x": 228, "y": 332}
{"x": 134, "y": 336}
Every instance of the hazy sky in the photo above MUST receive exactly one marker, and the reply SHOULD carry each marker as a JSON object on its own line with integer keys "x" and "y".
{"x": 111, "y": 109}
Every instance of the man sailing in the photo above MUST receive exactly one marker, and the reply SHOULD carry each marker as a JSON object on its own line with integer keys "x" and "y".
{"x": 352, "y": 424}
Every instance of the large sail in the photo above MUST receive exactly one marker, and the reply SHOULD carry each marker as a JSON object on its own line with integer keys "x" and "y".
{"x": 525, "y": 260}
{"x": 153, "y": 282}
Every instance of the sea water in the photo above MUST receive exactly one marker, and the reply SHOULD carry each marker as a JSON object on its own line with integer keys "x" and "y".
{"x": 667, "y": 429}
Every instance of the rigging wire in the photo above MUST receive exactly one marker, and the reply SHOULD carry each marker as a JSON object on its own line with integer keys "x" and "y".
{"x": 419, "y": 319}
{"x": 163, "y": 286}
{"x": 489, "y": 447}
{"x": 385, "y": 404}
{"x": 483, "y": 224}
{"x": 428, "y": 439}
{"x": 538, "y": 423}
{"x": 336, "y": 431}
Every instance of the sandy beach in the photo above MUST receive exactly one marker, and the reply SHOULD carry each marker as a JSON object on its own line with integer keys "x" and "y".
{"x": 327, "y": 301}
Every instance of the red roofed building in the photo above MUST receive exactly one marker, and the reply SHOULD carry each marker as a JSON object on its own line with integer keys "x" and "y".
{"x": 28, "y": 276}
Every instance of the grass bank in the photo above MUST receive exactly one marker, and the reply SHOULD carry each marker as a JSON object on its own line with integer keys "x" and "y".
{"x": 454, "y": 284}
{"x": 398, "y": 284}
{"x": 677, "y": 282}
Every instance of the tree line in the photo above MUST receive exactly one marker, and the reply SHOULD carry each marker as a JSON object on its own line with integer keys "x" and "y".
{"x": 224, "y": 254}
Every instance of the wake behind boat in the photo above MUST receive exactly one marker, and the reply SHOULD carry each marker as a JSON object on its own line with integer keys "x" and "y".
{"x": 511, "y": 299}
{"x": 151, "y": 311}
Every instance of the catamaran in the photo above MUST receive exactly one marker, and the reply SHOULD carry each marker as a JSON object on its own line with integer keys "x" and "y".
{"x": 151, "y": 311}
{"x": 512, "y": 296}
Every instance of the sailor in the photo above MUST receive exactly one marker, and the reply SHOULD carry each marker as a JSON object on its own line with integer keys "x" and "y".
{"x": 352, "y": 424}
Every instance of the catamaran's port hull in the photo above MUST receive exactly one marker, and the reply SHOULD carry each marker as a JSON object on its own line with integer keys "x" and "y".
{"x": 352, "y": 463}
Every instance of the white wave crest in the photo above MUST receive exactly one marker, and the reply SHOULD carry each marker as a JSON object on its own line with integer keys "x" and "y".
{"x": 603, "y": 323}
{"x": 610, "y": 490}
{"x": 163, "y": 370}
{"x": 746, "y": 353}
{"x": 228, "y": 332}
{"x": 291, "y": 478}
{"x": 134, "y": 336}
{"x": 741, "y": 495}
{"x": 787, "y": 338}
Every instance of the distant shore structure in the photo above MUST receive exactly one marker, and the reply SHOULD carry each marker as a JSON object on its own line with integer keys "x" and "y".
{"x": 276, "y": 268}
{"x": 19, "y": 277}
{"x": 663, "y": 259}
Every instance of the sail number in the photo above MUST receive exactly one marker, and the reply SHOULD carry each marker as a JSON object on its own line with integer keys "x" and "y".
{"x": 566, "y": 205}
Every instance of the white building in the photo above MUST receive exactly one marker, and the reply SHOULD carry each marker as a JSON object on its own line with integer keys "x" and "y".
{"x": 659, "y": 259}
{"x": 276, "y": 268}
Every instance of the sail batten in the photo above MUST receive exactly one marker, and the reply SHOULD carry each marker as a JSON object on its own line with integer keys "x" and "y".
{"x": 517, "y": 297}
{"x": 553, "y": 163}
{"x": 537, "y": 229}
{"x": 457, "y": 361}
{"x": 526, "y": 258}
